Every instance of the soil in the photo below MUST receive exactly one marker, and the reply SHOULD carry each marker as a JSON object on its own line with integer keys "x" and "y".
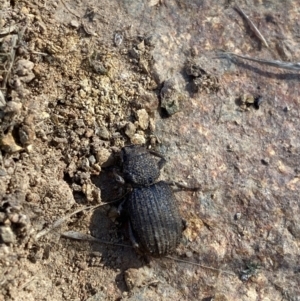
{"x": 80, "y": 80}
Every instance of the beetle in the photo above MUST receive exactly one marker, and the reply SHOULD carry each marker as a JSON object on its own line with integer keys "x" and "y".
{"x": 155, "y": 224}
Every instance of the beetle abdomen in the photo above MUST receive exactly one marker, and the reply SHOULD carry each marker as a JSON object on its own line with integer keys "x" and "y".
{"x": 155, "y": 218}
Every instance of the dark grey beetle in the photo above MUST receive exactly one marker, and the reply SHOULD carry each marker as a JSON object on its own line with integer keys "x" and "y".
{"x": 155, "y": 222}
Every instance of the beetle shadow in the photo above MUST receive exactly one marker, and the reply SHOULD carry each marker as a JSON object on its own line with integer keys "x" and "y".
{"x": 119, "y": 253}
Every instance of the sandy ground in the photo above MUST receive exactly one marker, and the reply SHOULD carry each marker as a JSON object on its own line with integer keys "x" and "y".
{"x": 81, "y": 79}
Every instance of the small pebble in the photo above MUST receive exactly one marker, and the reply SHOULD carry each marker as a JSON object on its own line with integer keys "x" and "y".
{"x": 24, "y": 70}
{"x": 75, "y": 24}
{"x": 7, "y": 234}
{"x": 171, "y": 97}
{"x": 92, "y": 159}
{"x": 294, "y": 229}
{"x": 238, "y": 215}
{"x": 14, "y": 217}
{"x": 143, "y": 119}
{"x": 3, "y": 173}
{"x": 23, "y": 220}
{"x": 80, "y": 123}
{"x": 2, "y": 217}
{"x": 130, "y": 129}
{"x": 32, "y": 197}
{"x": 24, "y": 10}
{"x": 8, "y": 144}
{"x": 13, "y": 107}
{"x": 97, "y": 167}
{"x": 85, "y": 164}
{"x": 76, "y": 187}
{"x": 89, "y": 133}
{"x": 265, "y": 161}
{"x": 138, "y": 139}
{"x": 103, "y": 132}
{"x": 102, "y": 155}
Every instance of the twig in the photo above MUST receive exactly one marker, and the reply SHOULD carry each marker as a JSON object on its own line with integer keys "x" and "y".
{"x": 67, "y": 8}
{"x": 273, "y": 63}
{"x": 61, "y": 220}
{"x": 12, "y": 55}
{"x": 201, "y": 265}
{"x": 183, "y": 186}
{"x": 81, "y": 236}
{"x": 8, "y": 30}
{"x": 37, "y": 52}
{"x": 252, "y": 26}
{"x": 15, "y": 40}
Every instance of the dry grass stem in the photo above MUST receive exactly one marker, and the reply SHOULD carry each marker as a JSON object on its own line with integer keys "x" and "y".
{"x": 273, "y": 63}
{"x": 61, "y": 220}
{"x": 81, "y": 236}
{"x": 252, "y": 26}
{"x": 201, "y": 265}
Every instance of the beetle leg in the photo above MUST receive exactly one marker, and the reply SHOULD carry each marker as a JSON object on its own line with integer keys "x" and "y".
{"x": 162, "y": 163}
{"x": 162, "y": 160}
{"x": 132, "y": 238}
{"x": 118, "y": 178}
{"x": 120, "y": 207}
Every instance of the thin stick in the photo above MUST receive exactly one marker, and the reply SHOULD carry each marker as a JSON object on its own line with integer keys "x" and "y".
{"x": 81, "y": 236}
{"x": 67, "y": 8}
{"x": 37, "y": 52}
{"x": 12, "y": 56}
{"x": 61, "y": 220}
{"x": 273, "y": 63}
{"x": 183, "y": 186}
{"x": 252, "y": 26}
{"x": 15, "y": 39}
{"x": 201, "y": 265}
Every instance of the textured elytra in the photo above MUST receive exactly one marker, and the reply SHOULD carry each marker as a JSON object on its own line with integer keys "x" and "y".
{"x": 155, "y": 219}
{"x": 139, "y": 167}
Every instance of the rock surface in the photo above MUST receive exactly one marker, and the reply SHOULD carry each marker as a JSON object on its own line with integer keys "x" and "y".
{"x": 80, "y": 79}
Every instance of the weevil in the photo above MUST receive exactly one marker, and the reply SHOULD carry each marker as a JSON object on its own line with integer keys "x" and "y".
{"x": 155, "y": 224}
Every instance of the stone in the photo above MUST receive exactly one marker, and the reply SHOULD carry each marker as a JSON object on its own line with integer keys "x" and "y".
{"x": 7, "y": 235}
{"x": 138, "y": 139}
{"x": 102, "y": 156}
{"x": 130, "y": 129}
{"x": 143, "y": 119}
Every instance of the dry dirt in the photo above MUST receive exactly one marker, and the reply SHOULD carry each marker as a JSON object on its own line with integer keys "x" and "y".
{"x": 81, "y": 79}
